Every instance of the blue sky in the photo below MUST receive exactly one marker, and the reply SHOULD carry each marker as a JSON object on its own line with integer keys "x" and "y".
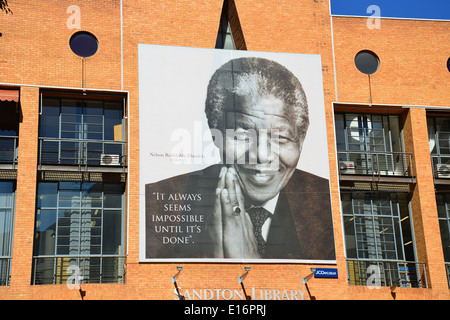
{"x": 415, "y": 9}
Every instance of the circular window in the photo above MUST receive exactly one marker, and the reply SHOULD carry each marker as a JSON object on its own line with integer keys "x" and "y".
{"x": 448, "y": 64}
{"x": 83, "y": 44}
{"x": 367, "y": 62}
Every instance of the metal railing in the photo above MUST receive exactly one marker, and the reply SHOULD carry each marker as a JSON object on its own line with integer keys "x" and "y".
{"x": 5, "y": 271}
{"x": 441, "y": 165}
{"x": 8, "y": 149}
{"x": 90, "y": 269}
{"x": 375, "y": 163}
{"x": 386, "y": 273}
{"x": 80, "y": 151}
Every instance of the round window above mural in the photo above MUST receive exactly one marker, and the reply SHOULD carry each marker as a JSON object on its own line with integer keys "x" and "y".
{"x": 83, "y": 44}
{"x": 367, "y": 62}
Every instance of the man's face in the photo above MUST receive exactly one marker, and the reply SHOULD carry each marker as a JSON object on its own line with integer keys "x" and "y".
{"x": 265, "y": 146}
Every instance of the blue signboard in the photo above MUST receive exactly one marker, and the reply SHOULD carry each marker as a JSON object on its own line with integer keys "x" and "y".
{"x": 325, "y": 273}
{"x": 406, "y": 9}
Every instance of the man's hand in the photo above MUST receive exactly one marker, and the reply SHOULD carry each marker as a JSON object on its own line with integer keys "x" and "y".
{"x": 237, "y": 229}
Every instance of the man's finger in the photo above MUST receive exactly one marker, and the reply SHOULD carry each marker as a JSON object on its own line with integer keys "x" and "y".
{"x": 227, "y": 207}
{"x": 230, "y": 185}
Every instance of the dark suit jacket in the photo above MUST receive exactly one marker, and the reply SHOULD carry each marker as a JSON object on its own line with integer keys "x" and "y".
{"x": 301, "y": 227}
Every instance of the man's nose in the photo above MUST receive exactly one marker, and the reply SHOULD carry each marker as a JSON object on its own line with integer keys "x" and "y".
{"x": 265, "y": 149}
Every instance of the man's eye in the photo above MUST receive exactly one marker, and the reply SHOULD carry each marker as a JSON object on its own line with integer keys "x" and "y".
{"x": 286, "y": 139}
{"x": 242, "y": 135}
{"x": 282, "y": 139}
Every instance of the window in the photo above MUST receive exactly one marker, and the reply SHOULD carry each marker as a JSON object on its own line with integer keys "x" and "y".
{"x": 367, "y": 62}
{"x": 371, "y": 143}
{"x": 79, "y": 223}
{"x": 443, "y": 205}
{"x": 377, "y": 226}
{"x": 378, "y": 236}
{"x": 224, "y": 37}
{"x": 9, "y": 132}
{"x": 79, "y": 132}
{"x": 7, "y": 201}
{"x": 439, "y": 141}
{"x": 83, "y": 44}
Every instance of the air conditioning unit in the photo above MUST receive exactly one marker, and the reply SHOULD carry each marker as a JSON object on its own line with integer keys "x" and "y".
{"x": 443, "y": 170}
{"x": 347, "y": 167}
{"x": 109, "y": 159}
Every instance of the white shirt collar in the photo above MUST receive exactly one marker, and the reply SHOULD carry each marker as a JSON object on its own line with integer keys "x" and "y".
{"x": 269, "y": 205}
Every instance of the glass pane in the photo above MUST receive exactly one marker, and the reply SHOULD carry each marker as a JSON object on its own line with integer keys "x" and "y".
{"x": 6, "y": 194}
{"x": 91, "y": 195}
{"x": 367, "y": 62}
{"x": 71, "y": 107}
{"x": 112, "y": 232}
{"x": 49, "y": 119}
{"x": 441, "y": 205}
{"x": 6, "y": 230}
{"x": 69, "y": 198}
{"x": 113, "y": 117}
{"x": 93, "y": 107}
{"x": 431, "y": 134}
{"x": 45, "y": 232}
{"x": 445, "y": 235}
{"x": 47, "y": 195}
{"x": 113, "y": 194}
{"x": 350, "y": 239}
{"x": 340, "y": 134}
{"x": 443, "y": 124}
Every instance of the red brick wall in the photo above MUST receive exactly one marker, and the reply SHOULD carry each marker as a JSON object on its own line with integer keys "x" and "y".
{"x": 34, "y": 51}
{"x": 35, "y": 44}
{"x": 413, "y": 56}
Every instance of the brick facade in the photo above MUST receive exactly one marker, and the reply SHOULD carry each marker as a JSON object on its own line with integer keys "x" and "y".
{"x": 35, "y": 53}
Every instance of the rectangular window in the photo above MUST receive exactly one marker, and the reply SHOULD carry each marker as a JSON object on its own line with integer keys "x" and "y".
{"x": 443, "y": 205}
{"x": 80, "y": 131}
{"x": 9, "y": 132}
{"x": 439, "y": 142}
{"x": 79, "y": 223}
{"x": 371, "y": 144}
{"x": 7, "y": 202}
{"x": 378, "y": 236}
{"x": 377, "y": 225}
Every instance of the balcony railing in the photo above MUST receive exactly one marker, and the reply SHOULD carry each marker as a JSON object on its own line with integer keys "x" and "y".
{"x": 8, "y": 149}
{"x": 441, "y": 165}
{"x": 5, "y": 271}
{"x": 375, "y": 163}
{"x": 387, "y": 273}
{"x": 89, "y": 269}
{"x": 81, "y": 152}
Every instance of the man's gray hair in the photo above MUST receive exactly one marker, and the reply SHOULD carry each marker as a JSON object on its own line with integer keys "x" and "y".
{"x": 255, "y": 77}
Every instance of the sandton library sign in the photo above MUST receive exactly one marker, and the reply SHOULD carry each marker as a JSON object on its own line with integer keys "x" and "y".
{"x": 238, "y": 294}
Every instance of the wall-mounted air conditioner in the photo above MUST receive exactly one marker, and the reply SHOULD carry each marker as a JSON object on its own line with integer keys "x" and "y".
{"x": 443, "y": 170}
{"x": 109, "y": 159}
{"x": 347, "y": 167}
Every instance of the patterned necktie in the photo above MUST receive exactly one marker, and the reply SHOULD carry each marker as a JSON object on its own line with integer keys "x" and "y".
{"x": 258, "y": 216}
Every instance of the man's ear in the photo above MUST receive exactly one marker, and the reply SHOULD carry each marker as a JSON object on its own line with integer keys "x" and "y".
{"x": 218, "y": 140}
{"x": 301, "y": 139}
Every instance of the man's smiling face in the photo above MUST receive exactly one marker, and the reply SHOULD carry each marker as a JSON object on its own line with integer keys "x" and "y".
{"x": 265, "y": 146}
